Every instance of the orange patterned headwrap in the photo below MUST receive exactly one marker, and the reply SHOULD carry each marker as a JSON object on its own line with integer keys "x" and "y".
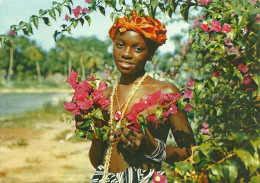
{"x": 151, "y": 29}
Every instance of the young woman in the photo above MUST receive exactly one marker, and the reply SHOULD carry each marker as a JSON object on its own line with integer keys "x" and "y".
{"x": 135, "y": 156}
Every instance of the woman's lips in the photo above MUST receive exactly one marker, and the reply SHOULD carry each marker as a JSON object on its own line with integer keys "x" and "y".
{"x": 125, "y": 65}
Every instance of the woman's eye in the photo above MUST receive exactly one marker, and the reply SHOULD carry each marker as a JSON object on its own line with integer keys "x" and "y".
{"x": 139, "y": 49}
{"x": 120, "y": 45}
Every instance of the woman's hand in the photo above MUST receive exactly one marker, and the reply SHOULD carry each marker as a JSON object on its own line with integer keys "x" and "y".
{"x": 134, "y": 141}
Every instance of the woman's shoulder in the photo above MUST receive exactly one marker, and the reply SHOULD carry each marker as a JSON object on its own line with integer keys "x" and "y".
{"x": 107, "y": 91}
{"x": 166, "y": 87}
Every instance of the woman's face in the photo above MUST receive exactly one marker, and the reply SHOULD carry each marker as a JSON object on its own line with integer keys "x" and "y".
{"x": 130, "y": 52}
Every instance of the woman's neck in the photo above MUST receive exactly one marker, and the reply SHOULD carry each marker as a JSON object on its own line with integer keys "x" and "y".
{"x": 126, "y": 79}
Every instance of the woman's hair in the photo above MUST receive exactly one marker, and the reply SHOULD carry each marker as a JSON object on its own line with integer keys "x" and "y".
{"x": 151, "y": 29}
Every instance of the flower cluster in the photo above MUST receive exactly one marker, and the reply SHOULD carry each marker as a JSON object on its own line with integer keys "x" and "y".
{"x": 205, "y": 129}
{"x": 88, "y": 98}
{"x": 215, "y": 26}
{"x": 78, "y": 10}
{"x": 202, "y": 2}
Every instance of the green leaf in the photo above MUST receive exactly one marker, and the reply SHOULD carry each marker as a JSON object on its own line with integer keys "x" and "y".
{"x": 159, "y": 113}
{"x": 161, "y": 6}
{"x": 69, "y": 8}
{"x": 102, "y": 10}
{"x": 230, "y": 170}
{"x": 255, "y": 179}
{"x": 29, "y": 28}
{"x": 21, "y": 24}
{"x": 142, "y": 123}
{"x": 121, "y": 1}
{"x": 46, "y": 20}
{"x": 85, "y": 125}
{"x": 52, "y": 14}
{"x": 59, "y": 9}
{"x": 183, "y": 167}
{"x": 169, "y": 11}
{"x": 74, "y": 23}
{"x": 184, "y": 9}
{"x": 98, "y": 132}
{"x": 98, "y": 114}
{"x": 81, "y": 21}
{"x": 88, "y": 19}
{"x": 154, "y": 4}
{"x": 42, "y": 12}
{"x": 25, "y": 31}
{"x": 90, "y": 136}
{"x": 68, "y": 29}
{"x": 173, "y": 5}
{"x": 217, "y": 171}
{"x": 35, "y": 21}
{"x": 81, "y": 133}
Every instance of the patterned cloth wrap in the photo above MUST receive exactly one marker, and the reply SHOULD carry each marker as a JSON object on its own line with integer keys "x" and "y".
{"x": 130, "y": 175}
{"x": 150, "y": 28}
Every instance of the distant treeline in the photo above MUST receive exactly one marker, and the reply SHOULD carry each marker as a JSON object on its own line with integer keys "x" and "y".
{"x": 25, "y": 60}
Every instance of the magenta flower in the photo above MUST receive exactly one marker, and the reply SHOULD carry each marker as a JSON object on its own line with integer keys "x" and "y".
{"x": 228, "y": 42}
{"x": 88, "y": 1}
{"x": 205, "y": 131}
{"x": 118, "y": 115}
{"x": 216, "y": 73}
{"x": 102, "y": 86}
{"x": 157, "y": 178}
{"x": 69, "y": 106}
{"x": 205, "y": 26}
{"x": 188, "y": 107}
{"x": 191, "y": 82}
{"x": 72, "y": 79}
{"x": 242, "y": 68}
{"x": 76, "y": 11}
{"x": 226, "y": 28}
{"x": 205, "y": 125}
{"x": 85, "y": 10}
{"x": 247, "y": 80}
{"x": 235, "y": 50}
{"x": 86, "y": 104}
{"x": 215, "y": 26}
{"x": 67, "y": 17}
{"x": 12, "y": 32}
{"x": 188, "y": 94}
{"x": 103, "y": 102}
{"x": 92, "y": 78}
{"x": 204, "y": 2}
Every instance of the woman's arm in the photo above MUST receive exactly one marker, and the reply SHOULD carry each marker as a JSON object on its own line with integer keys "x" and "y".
{"x": 96, "y": 152}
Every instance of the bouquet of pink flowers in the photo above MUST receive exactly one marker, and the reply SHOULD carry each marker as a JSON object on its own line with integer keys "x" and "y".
{"x": 89, "y": 100}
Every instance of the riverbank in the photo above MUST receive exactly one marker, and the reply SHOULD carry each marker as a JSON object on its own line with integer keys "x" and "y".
{"x": 43, "y": 148}
{"x": 36, "y": 90}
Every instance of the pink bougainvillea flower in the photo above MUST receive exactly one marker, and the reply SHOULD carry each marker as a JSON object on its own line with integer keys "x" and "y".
{"x": 216, "y": 73}
{"x": 247, "y": 80}
{"x": 205, "y": 125}
{"x": 92, "y": 78}
{"x": 69, "y": 106}
{"x": 72, "y": 79}
{"x": 132, "y": 116}
{"x": 12, "y": 32}
{"x": 188, "y": 107}
{"x": 134, "y": 126}
{"x": 85, "y": 104}
{"x": 80, "y": 94}
{"x": 257, "y": 18}
{"x": 152, "y": 118}
{"x": 205, "y": 131}
{"x": 67, "y": 17}
{"x": 226, "y": 28}
{"x": 188, "y": 94}
{"x": 103, "y": 102}
{"x": 196, "y": 22}
{"x": 85, "y": 86}
{"x": 242, "y": 68}
{"x": 235, "y": 50}
{"x": 85, "y": 10}
{"x": 140, "y": 106}
{"x": 205, "y": 26}
{"x": 215, "y": 26}
{"x": 96, "y": 95}
{"x": 152, "y": 98}
{"x": 88, "y": 1}
{"x": 118, "y": 115}
{"x": 191, "y": 82}
{"x": 228, "y": 42}
{"x": 157, "y": 178}
{"x": 106, "y": 74}
{"x": 76, "y": 11}
{"x": 102, "y": 86}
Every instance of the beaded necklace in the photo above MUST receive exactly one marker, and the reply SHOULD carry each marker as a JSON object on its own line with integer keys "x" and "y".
{"x": 111, "y": 137}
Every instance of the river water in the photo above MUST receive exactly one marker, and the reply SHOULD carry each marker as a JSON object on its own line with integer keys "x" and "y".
{"x": 11, "y": 103}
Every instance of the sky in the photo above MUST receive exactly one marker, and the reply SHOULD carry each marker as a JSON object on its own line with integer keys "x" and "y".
{"x": 14, "y": 11}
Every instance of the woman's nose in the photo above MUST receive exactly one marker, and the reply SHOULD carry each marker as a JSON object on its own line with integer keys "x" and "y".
{"x": 127, "y": 53}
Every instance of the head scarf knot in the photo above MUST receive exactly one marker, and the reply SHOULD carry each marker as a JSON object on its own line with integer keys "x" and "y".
{"x": 149, "y": 28}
